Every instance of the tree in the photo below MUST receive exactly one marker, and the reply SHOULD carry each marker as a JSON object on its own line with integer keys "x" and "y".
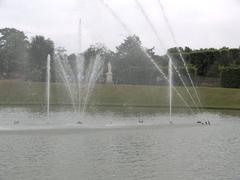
{"x": 230, "y": 77}
{"x": 187, "y": 50}
{"x": 72, "y": 59}
{"x": 131, "y": 64}
{"x": 13, "y": 52}
{"x": 39, "y": 50}
{"x": 174, "y": 50}
{"x": 98, "y": 50}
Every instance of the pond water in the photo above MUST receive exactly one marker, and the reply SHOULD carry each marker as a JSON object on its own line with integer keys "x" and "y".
{"x": 114, "y": 145}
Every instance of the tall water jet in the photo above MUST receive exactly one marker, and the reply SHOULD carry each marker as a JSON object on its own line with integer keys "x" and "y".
{"x": 80, "y": 36}
{"x": 80, "y": 64}
{"x": 48, "y": 83}
{"x": 170, "y": 77}
{"x": 80, "y": 79}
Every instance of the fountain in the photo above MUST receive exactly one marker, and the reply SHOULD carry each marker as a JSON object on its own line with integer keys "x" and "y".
{"x": 168, "y": 55}
{"x": 81, "y": 81}
{"x": 125, "y": 27}
{"x": 113, "y": 142}
{"x": 48, "y": 83}
{"x": 78, "y": 78}
{"x": 170, "y": 88}
{"x": 177, "y": 46}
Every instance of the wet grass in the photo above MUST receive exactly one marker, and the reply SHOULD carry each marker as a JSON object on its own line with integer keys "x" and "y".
{"x": 27, "y": 93}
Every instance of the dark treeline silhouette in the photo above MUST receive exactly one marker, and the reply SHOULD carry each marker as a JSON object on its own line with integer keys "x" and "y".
{"x": 26, "y": 59}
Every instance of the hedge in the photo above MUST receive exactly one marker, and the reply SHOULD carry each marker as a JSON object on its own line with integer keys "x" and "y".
{"x": 230, "y": 77}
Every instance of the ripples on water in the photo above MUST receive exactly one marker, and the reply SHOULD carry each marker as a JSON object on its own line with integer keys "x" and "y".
{"x": 154, "y": 150}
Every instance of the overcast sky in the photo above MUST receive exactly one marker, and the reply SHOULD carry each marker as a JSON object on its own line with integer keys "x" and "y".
{"x": 195, "y": 23}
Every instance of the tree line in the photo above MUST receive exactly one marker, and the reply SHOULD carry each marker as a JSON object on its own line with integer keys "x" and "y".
{"x": 21, "y": 58}
{"x": 24, "y": 58}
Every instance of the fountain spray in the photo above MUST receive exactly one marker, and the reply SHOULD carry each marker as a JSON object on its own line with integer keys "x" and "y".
{"x": 170, "y": 88}
{"x": 125, "y": 27}
{"x": 48, "y": 83}
{"x": 178, "y": 49}
{"x": 162, "y": 45}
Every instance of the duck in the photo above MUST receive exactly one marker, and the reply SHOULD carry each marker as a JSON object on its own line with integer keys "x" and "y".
{"x": 16, "y": 122}
{"x": 140, "y": 121}
{"x": 79, "y": 122}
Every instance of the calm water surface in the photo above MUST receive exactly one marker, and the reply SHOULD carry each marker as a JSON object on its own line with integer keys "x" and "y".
{"x": 111, "y": 146}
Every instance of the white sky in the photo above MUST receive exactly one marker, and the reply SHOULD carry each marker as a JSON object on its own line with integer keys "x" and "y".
{"x": 196, "y": 23}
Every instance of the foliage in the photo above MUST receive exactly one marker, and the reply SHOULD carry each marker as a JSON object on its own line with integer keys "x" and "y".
{"x": 13, "y": 53}
{"x": 230, "y": 77}
{"x": 131, "y": 64}
{"x": 97, "y": 49}
{"x": 38, "y": 52}
{"x": 208, "y": 61}
{"x": 176, "y": 79}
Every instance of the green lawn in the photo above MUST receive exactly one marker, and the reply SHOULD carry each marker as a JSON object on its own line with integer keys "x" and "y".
{"x": 21, "y": 92}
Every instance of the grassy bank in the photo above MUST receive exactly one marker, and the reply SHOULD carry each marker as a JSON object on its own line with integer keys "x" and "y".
{"x": 19, "y": 92}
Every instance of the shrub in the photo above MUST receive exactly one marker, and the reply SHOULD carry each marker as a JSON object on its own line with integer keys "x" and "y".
{"x": 230, "y": 77}
{"x": 192, "y": 72}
